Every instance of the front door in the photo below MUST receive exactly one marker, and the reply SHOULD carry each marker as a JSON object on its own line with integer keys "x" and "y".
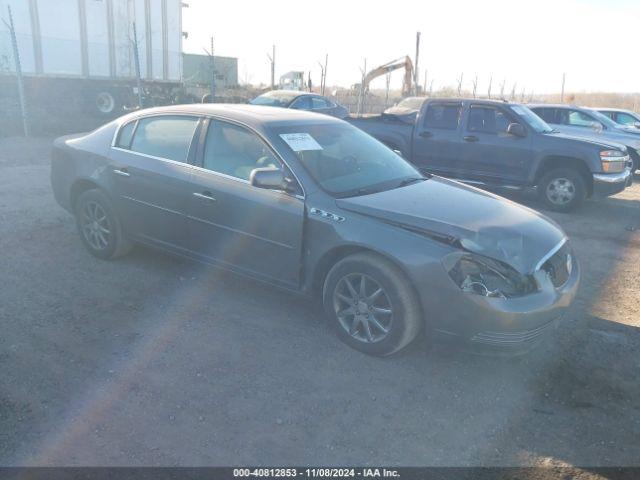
{"x": 235, "y": 225}
{"x": 489, "y": 153}
{"x": 151, "y": 174}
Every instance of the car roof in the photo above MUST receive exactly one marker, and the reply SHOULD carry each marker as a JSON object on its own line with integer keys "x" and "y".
{"x": 605, "y": 109}
{"x": 485, "y": 101}
{"x": 251, "y": 115}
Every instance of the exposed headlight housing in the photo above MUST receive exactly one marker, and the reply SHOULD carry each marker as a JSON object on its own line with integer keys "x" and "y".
{"x": 487, "y": 277}
{"x": 613, "y": 161}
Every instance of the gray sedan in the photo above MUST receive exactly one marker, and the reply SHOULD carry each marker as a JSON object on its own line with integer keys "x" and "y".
{"x": 316, "y": 206}
{"x": 301, "y": 101}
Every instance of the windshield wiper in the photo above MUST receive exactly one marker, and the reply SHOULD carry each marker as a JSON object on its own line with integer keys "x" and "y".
{"x": 409, "y": 181}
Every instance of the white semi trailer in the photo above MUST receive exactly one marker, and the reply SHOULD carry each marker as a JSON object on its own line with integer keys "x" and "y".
{"x": 82, "y": 52}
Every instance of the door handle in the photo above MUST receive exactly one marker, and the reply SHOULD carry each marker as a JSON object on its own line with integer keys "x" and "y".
{"x": 470, "y": 138}
{"x": 205, "y": 196}
{"x": 425, "y": 134}
{"x": 122, "y": 172}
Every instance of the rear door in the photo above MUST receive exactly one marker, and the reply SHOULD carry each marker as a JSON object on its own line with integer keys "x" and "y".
{"x": 235, "y": 225}
{"x": 436, "y": 141}
{"x": 151, "y": 174}
{"x": 488, "y": 152}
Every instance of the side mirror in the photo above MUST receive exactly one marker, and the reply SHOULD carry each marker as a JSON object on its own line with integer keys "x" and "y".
{"x": 516, "y": 130}
{"x": 636, "y": 124}
{"x": 270, "y": 179}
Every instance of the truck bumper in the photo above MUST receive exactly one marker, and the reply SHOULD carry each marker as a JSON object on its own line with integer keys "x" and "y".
{"x": 605, "y": 184}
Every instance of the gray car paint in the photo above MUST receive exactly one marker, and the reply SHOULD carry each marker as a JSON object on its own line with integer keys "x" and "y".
{"x": 415, "y": 226}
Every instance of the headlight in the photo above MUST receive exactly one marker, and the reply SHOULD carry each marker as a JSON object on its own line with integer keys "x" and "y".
{"x": 613, "y": 161}
{"x": 487, "y": 277}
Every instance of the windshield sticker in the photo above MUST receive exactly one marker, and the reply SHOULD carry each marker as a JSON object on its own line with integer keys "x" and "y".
{"x": 300, "y": 142}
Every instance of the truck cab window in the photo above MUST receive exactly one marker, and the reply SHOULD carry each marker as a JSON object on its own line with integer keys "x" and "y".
{"x": 443, "y": 115}
{"x": 487, "y": 120}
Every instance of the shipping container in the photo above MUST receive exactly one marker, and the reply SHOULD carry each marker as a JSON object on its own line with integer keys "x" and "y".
{"x": 84, "y": 50}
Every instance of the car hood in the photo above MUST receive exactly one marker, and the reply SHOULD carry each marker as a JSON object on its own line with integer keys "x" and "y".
{"x": 598, "y": 141}
{"x": 475, "y": 220}
{"x": 624, "y": 138}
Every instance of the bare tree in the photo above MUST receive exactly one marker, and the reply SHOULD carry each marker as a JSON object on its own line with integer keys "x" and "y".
{"x": 460, "y": 83}
{"x": 475, "y": 86}
{"x": 489, "y": 89}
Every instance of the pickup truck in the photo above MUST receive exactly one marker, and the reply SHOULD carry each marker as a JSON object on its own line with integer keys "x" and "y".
{"x": 497, "y": 144}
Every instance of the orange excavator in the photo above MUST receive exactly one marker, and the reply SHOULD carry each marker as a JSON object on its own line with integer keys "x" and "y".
{"x": 402, "y": 62}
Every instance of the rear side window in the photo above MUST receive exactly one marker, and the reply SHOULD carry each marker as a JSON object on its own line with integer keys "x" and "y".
{"x": 302, "y": 103}
{"x": 547, "y": 114}
{"x": 443, "y": 115}
{"x": 625, "y": 119}
{"x": 165, "y": 136}
{"x": 125, "y": 135}
{"x": 487, "y": 120}
{"x": 318, "y": 103}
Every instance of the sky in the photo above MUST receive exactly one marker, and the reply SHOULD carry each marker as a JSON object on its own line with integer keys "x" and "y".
{"x": 527, "y": 42}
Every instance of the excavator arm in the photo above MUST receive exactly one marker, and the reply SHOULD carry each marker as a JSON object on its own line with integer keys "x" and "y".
{"x": 403, "y": 62}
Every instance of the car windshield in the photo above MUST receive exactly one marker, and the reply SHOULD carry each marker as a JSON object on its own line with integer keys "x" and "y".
{"x": 274, "y": 99}
{"x": 533, "y": 120}
{"x": 413, "y": 103}
{"x": 345, "y": 161}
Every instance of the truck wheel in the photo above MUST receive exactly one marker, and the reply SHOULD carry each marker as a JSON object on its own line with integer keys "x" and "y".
{"x": 99, "y": 226}
{"x": 371, "y": 304}
{"x": 562, "y": 189}
{"x": 106, "y": 103}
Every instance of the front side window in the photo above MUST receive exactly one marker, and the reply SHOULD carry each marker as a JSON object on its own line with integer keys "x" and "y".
{"x": 484, "y": 119}
{"x": 235, "y": 151}
{"x": 578, "y": 119}
{"x": 443, "y": 115}
{"x": 344, "y": 160}
{"x": 165, "y": 136}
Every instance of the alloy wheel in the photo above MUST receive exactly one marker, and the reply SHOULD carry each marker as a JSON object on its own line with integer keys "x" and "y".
{"x": 95, "y": 226}
{"x": 560, "y": 191}
{"x": 363, "y": 308}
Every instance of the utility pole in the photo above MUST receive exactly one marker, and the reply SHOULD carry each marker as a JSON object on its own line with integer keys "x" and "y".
{"x": 489, "y": 89}
{"x": 504, "y": 82}
{"x": 16, "y": 59}
{"x": 272, "y": 59}
{"x": 513, "y": 92}
{"x": 415, "y": 71}
{"x": 136, "y": 59}
{"x": 522, "y": 95}
{"x": 324, "y": 78}
{"x": 386, "y": 98}
{"x": 475, "y": 86}
{"x": 562, "y": 90}
{"x": 361, "y": 94}
{"x": 460, "y": 83}
{"x": 431, "y": 87}
{"x": 321, "y": 78}
{"x": 213, "y": 74}
{"x": 424, "y": 88}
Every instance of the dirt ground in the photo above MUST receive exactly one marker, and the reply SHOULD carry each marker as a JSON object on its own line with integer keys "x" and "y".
{"x": 152, "y": 360}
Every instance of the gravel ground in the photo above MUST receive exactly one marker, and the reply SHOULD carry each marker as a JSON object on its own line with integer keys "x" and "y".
{"x": 152, "y": 360}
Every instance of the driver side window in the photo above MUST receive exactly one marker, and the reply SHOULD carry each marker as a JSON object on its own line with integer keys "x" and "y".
{"x": 235, "y": 151}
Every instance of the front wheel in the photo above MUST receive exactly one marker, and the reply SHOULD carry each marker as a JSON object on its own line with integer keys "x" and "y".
{"x": 562, "y": 189}
{"x": 371, "y": 304}
{"x": 99, "y": 226}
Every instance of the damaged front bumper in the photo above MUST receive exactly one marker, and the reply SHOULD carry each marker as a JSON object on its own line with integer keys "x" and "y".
{"x": 506, "y": 325}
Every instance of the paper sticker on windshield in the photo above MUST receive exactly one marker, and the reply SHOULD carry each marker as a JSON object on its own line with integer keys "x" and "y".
{"x": 300, "y": 142}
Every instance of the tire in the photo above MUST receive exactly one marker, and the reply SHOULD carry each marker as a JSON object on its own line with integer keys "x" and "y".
{"x": 402, "y": 324}
{"x": 106, "y": 103}
{"x": 562, "y": 189}
{"x": 103, "y": 238}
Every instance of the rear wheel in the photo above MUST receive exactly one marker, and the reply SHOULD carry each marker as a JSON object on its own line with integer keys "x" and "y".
{"x": 371, "y": 304}
{"x": 562, "y": 189}
{"x": 99, "y": 227}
